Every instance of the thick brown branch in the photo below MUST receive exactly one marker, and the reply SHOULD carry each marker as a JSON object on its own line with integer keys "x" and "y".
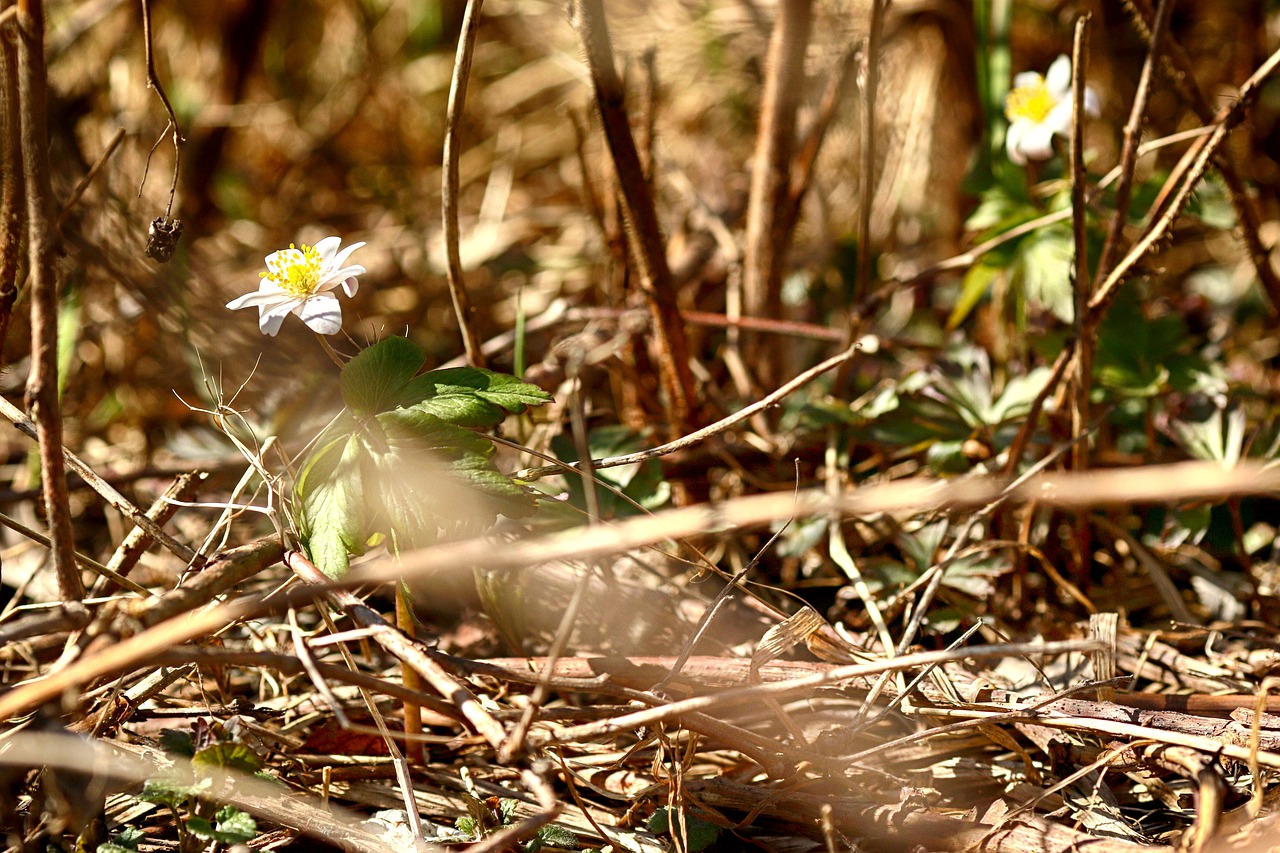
{"x": 644, "y": 237}
{"x": 42, "y": 384}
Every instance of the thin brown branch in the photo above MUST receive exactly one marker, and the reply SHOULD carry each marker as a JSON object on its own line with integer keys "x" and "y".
{"x": 644, "y": 237}
{"x": 778, "y": 690}
{"x": 1083, "y": 282}
{"x": 1246, "y": 207}
{"x": 462, "y": 309}
{"x": 866, "y": 186}
{"x": 702, "y": 434}
{"x": 42, "y": 383}
{"x": 153, "y": 81}
{"x": 811, "y": 144}
{"x": 766, "y": 241}
{"x": 12, "y": 210}
{"x": 1132, "y": 137}
{"x": 108, "y": 492}
{"x": 137, "y": 540}
{"x": 405, "y": 649}
{"x": 1205, "y": 150}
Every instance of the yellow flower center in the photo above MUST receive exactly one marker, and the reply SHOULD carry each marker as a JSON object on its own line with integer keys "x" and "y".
{"x": 1031, "y": 103}
{"x": 295, "y": 270}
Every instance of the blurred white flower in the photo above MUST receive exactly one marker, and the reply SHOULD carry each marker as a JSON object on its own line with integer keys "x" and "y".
{"x": 299, "y": 281}
{"x": 1038, "y": 108}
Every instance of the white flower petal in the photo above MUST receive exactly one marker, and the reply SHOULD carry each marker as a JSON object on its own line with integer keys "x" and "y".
{"x": 1058, "y": 78}
{"x": 351, "y": 285}
{"x": 337, "y": 277}
{"x": 259, "y": 298}
{"x": 269, "y": 324}
{"x": 328, "y": 247}
{"x": 1059, "y": 119}
{"x": 322, "y": 314}
{"x": 1026, "y": 79}
{"x": 341, "y": 257}
{"x": 1036, "y": 142}
{"x": 1013, "y": 142}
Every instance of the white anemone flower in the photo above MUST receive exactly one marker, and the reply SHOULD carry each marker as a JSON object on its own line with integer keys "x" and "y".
{"x": 299, "y": 281}
{"x": 1038, "y": 108}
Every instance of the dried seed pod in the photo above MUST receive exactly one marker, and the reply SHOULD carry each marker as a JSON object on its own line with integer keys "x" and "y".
{"x": 162, "y": 238}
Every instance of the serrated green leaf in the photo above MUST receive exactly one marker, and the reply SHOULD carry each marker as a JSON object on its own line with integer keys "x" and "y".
{"x": 235, "y": 826}
{"x": 375, "y": 380}
{"x": 230, "y": 826}
{"x": 167, "y": 792}
{"x": 427, "y": 477}
{"x": 1043, "y": 267}
{"x": 227, "y": 756}
{"x": 471, "y": 396}
{"x": 201, "y": 827}
{"x": 177, "y": 742}
{"x": 330, "y": 494}
{"x": 557, "y": 836}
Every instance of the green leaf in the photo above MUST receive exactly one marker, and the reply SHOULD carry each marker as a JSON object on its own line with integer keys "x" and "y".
{"x": 947, "y": 457}
{"x": 642, "y": 483}
{"x": 235, "y": 826}
{"x": 333, "y": 515}
{"x": 701, "y": 834}
{"x": 404, "y": 475}
{"x": 374, "y": 380}
{"x": 232, "y": 826}
{"x": 227, "y": 756}
{"x": 1044, "y": 267}
{"x": 426, "y": 477}
{"x": 177, "y": 742}
{"x": 471, "y": 396}
{"x": 1134, "y": 351}
{"x": 553, "y": 836}
{"x": 977, "y": 281}
{"x": 167, "y": 792}
{"x": 126, "y": 841}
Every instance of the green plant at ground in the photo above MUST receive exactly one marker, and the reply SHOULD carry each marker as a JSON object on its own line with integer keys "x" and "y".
{"x": 404, "y": 464}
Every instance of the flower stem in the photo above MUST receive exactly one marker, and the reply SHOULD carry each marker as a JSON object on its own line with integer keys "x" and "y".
{"x": 330, "y": 351}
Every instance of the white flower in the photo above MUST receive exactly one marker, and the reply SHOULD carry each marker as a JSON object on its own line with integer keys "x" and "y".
{"x": 1039, "y": 108}
{"x": 299, "y": 281}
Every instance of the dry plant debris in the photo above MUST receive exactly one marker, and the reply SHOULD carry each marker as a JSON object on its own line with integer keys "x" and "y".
{"x": 778, "y": 425}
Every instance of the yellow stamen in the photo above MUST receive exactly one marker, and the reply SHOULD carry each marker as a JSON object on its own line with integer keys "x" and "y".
{"x": 295, "y": 270}
{"x": 1032, "y": 102}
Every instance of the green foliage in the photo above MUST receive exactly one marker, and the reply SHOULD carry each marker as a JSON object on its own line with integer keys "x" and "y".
{"x": 1038, "y": 265}
{"x": 404, "y": 463}
{"x": 1141, "y": 357}
{"x": 229, "y": 826}
{"x": 700, "y": 835}
{"x": 125, "y": 841}
{"x": 488, "y": 816}
{"x": 172, "y": 793}
{"x": 642, "y": 483}
{"x": 941, "y": 409}
{"x": 227, "y": 756}
{"x": 213, "y": 749}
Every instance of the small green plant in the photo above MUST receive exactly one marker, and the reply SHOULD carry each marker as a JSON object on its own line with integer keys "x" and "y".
{"x": 404, "y": 463}
{"x": 213, "y": 750}
{"x": 492, "y": 814}
{"x": 699, "y": 834}
{"x": 125, "y": 841}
